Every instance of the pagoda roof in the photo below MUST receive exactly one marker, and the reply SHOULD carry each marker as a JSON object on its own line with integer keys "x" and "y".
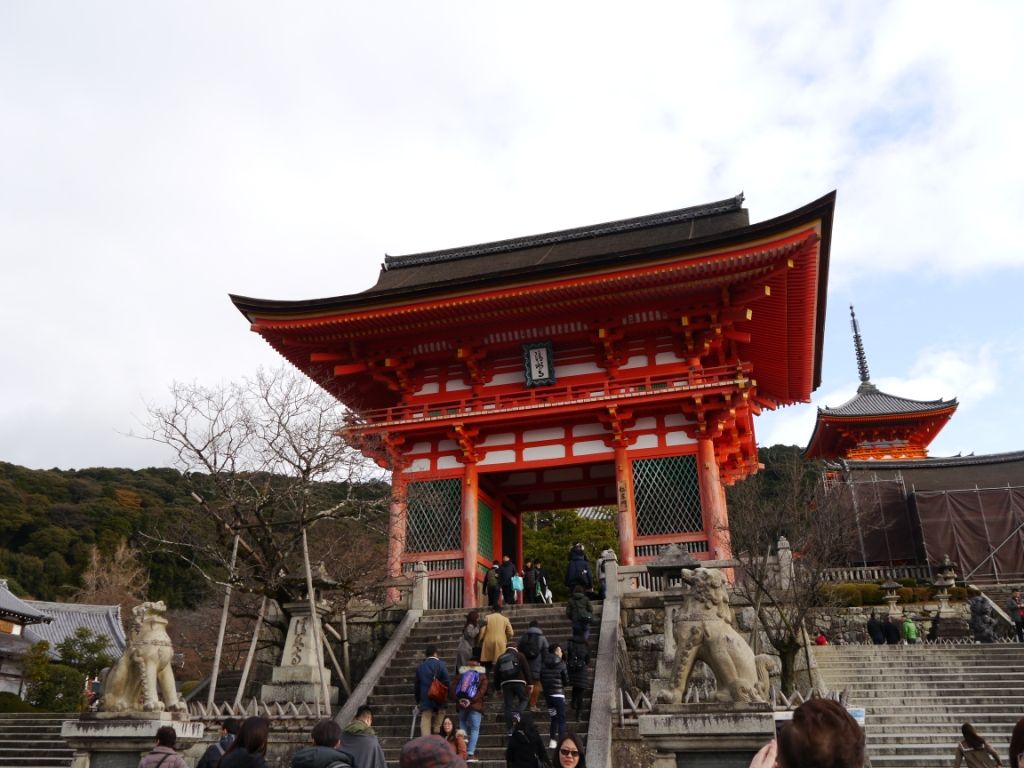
{"x": 13, "y": 608}
{"x": 872, "y": 402}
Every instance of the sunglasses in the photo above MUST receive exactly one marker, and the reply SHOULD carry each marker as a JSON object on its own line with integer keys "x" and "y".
{"x": 564, "y": 752}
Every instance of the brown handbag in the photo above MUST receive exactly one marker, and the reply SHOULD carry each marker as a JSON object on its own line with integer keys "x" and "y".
{"x": 438, "y": 692}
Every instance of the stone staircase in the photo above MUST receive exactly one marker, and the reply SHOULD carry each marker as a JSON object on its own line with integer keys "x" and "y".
{"x": 392, "y": 698}
{"x": 916, "y": 697}
{"x": 33, "y": 741}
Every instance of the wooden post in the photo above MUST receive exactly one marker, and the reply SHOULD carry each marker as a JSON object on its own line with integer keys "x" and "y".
{"x": 252, "y": 651}
{"x": 314, "y": 626}
{"x": 396, "y": 532}
{"x": 712, "y": 501}
{"x": 626, "y": 505}
{"x": 215, "y": 672}
{"x": 470, "y": 542}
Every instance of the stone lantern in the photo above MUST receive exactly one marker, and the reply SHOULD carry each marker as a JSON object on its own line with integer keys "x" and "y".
{"x": 892, "y": 597}
{"x": 945, "y": 579}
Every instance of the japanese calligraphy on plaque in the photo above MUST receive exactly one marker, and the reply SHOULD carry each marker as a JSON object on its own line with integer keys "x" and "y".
{"x": 539, "y": 364}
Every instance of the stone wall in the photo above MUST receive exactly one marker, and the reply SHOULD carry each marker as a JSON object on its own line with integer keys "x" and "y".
{"x": 369, "y": 629}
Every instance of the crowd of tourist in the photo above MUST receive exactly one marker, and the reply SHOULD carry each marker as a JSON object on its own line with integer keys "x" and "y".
{"x": 489, "y": 661}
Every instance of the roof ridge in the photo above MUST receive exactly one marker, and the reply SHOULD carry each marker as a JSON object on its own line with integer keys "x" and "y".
{"x": 727, "y": 205}
{"x": 81, "y": 607}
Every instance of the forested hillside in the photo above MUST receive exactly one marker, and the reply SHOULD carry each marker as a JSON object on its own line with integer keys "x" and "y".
{"x": 50, "y": 520}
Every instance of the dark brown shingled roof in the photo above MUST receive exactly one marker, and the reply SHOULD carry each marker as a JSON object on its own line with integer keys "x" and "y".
{"x": 730, "y": 205}
{"x": 870, "y": 401}
{"x": 564, "y": 246}
{"x": 947, "y": 473}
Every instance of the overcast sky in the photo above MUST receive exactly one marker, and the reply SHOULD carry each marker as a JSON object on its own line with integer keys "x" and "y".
{"x": 155, "y": 156}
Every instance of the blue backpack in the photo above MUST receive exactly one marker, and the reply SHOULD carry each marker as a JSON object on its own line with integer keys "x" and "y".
{"x": 469, "y": 684}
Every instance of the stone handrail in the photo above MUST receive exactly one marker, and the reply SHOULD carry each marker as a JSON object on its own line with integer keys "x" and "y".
{"x": 418, "y": 604}
{"x": 599, "y": 731}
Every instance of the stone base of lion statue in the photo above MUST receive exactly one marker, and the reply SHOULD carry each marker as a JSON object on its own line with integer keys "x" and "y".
{"x": 115, "y": 740}
{"x": 707, "y": 734}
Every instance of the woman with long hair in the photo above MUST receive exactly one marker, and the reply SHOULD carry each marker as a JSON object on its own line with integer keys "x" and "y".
{"x": 570, "y": 752}
{"x": 249, "y": 748}
{"x": 467, "y": 642}
{"x": 974, "y": 750}
{"x": 456, "y": 737}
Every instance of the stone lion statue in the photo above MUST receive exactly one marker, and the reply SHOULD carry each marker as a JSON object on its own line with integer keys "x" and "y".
{"x": 703, "y": 629}
{"x": 142, "y": 679}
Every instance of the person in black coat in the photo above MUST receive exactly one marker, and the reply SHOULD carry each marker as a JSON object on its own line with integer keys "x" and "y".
{"x": 505, "y": 574}
{"x": 529, "y": 583}
{"x": 891, "y": 631}
{"x": 577, "y": 573}
{"x": 554, "y": 677}
{"x": 525, "y": 748}
{"x": 875, "y": 630}
{"x": 577, "y": 658}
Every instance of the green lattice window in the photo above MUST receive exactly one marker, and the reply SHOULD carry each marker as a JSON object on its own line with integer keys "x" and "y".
{"x": 667, "y": 496}
{"x": 434, "y": 516}
{"x": 485, "y": 531}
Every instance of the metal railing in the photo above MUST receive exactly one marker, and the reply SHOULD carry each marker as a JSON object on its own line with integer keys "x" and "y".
{"x": 879, "y": 573}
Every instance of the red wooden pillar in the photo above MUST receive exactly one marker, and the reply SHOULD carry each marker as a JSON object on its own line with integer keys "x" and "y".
{"x": 712, "y": 500}
{"x": 627, "y": 509}
{"x": 396, "y": 530}
{"x": 470, "y": 534}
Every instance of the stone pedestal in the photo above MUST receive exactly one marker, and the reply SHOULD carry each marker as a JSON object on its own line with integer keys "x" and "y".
{"x": 297, "y": 677}
{"x": 705, "y": 735}
{"x": 119, "y": 739}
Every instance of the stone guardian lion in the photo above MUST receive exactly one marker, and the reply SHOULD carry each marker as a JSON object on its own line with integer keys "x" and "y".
{"x": 703, "y": 629}
{"x": 142, "y": 679}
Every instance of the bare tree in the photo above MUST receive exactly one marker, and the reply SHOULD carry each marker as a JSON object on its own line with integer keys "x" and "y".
{"x": 116, "y": 579}
{"x": 786, "y": 499}
{"x": 265, "y": 463}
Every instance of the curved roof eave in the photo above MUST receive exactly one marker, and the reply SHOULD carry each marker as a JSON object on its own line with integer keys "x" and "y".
{"x": 821, "y": 208}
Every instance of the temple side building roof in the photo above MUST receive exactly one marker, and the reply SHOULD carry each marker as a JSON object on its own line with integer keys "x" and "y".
{"x": 943, "y": 473}
{"x": 103, "y": 620}
{"x": 18, "y": 611}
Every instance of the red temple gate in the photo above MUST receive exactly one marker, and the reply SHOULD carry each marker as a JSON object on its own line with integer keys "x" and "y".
{"x": 620, "y": 364}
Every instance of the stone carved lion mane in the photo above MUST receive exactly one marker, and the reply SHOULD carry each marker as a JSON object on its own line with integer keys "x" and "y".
{"x": 142, "y": 679}
{"x": 703, "y": 629}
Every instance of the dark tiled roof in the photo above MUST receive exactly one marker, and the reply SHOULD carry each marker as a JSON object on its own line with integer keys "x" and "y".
{"x": 730, "y": 205}
{"x": 67, "y": 617}
{"x": 13, "y": 607}
{"x": 870, "y": 401}
{"x": 583, "y": 246}
{"x": 937, "y": 462}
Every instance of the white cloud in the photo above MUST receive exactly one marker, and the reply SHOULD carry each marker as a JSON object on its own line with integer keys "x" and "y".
{"x": 156, "y": 157}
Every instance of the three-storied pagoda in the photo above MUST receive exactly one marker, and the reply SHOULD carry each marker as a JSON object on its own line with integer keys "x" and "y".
{"x": 618, "y": 364}
{"x": 876, "y": 425}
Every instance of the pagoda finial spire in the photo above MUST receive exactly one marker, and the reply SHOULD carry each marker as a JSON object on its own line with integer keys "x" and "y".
{"x": 858, "y": 345}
